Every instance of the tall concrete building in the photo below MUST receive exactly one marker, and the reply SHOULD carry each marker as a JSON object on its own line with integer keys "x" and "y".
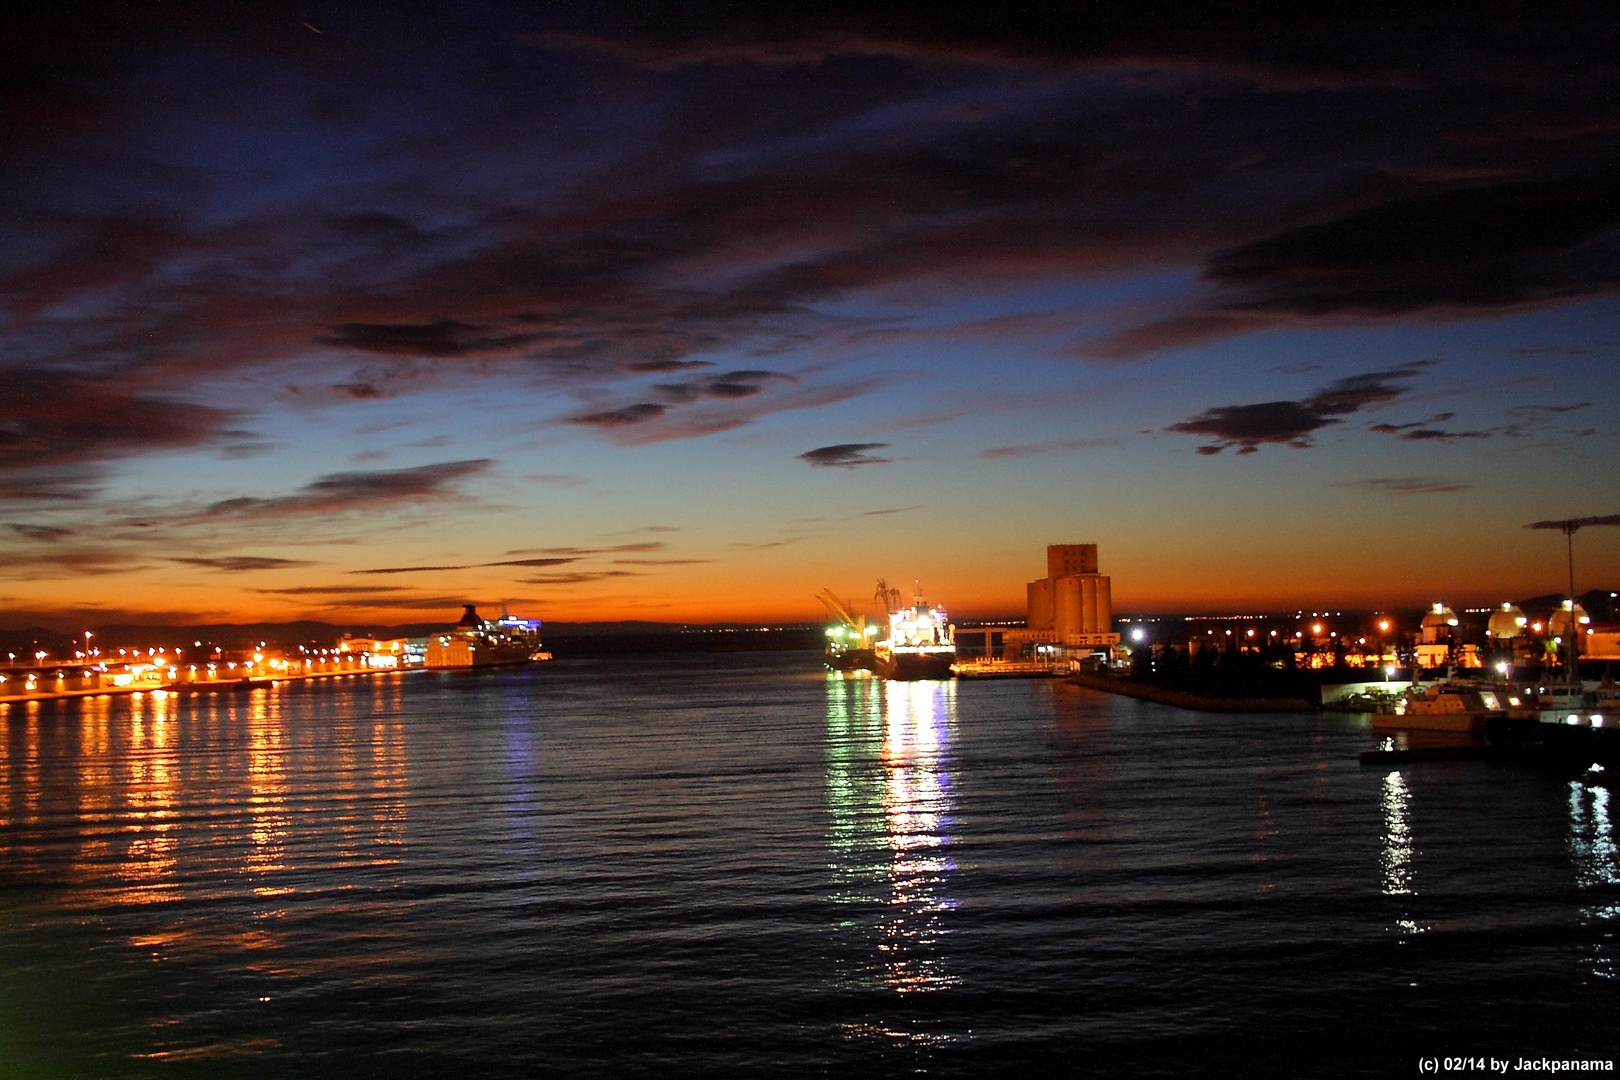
{"x": 1071, "y": 607}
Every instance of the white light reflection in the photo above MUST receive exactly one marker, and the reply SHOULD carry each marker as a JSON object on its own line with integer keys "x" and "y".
{"x": 1597, "y": 862}
{"x": 1395, "y": 860}
{"x": 889, "y": 789}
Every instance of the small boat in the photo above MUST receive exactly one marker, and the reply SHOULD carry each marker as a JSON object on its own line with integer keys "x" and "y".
{"x": 1557, "y": 701}
{"x": 1444, "y": 706}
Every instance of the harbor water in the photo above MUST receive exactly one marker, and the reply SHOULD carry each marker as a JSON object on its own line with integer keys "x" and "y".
{"x": 742, "y": 865}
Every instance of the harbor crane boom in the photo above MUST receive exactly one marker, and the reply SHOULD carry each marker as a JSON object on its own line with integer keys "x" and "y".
{"x": 830, "y": 601}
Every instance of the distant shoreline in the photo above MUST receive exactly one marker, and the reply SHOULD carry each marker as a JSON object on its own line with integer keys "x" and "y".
{"x": 203, "y": 687}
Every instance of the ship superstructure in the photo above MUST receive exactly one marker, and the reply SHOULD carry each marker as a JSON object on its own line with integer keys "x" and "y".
{"x": 921, "y": 642}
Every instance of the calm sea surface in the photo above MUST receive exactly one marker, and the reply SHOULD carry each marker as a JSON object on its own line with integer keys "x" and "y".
{"x": 740, "y": 865}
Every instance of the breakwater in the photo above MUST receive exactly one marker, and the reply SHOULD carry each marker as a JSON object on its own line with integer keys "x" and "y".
{"x": 1187, "y": 699}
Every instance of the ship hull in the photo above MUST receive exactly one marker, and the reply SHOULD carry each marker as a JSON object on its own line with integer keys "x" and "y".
{"x": 482, "y": 662}
{"x": 1432, "y": 722}
{"x": 852, "y": 660}
{"x": 909, "y": 666}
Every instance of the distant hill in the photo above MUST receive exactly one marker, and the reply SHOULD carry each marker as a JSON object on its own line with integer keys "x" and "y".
{"x": 1600, "y": 604}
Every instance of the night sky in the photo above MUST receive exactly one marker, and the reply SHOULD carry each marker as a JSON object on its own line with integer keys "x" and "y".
{"x": 684, "y": 312}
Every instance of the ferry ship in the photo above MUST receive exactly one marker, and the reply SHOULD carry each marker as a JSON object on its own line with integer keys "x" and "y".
{"x": 476, "y": 642}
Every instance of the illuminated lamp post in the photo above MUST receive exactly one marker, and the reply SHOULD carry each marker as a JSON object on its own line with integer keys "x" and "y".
{"x": 1569, "y": 526}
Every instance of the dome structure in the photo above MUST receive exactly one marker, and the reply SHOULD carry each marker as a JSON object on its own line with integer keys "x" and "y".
{"x": 1439, "y": 615}
{"x": 1507, "y": 623}
{"x": 1571, "y": 614}
{"x": 1438, "y": 623}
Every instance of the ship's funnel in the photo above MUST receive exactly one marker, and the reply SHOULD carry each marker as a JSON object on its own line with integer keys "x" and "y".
{"x": 469, "y": 617}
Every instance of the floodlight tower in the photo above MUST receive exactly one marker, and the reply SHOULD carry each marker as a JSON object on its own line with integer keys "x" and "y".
{"x": 1569, "y": 527}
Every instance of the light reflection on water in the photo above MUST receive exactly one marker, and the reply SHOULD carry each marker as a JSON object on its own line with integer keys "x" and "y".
{"x": 751, "y": 868}
{"x": 1395, "y": 858}
{"x": 160, "y": 797}
{"x": 1597, "y": 863}
{"x": 889, "y": 789}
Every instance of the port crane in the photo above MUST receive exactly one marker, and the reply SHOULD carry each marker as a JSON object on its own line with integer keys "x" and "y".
{"x": 845, "y": 614}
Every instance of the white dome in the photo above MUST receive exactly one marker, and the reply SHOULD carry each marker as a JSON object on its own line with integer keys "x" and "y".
{"x": 1560, "y": 621}
{"x": 1507, "y": 622}
{"x": 1439, "y": 615}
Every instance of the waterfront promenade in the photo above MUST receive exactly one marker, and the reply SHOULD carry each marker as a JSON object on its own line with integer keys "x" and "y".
{"x": 64, "y": 681}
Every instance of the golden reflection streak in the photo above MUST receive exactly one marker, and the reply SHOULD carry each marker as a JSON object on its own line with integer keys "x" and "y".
{"x": 151, "y": 784}
{"x": 96, "y": 788}
{"x": 267, "y": 794}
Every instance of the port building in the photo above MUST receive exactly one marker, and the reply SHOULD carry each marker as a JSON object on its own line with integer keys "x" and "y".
{"x": 1070, "y": 610}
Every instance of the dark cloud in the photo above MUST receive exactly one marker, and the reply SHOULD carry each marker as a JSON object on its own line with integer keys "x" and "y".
{"x": 659, "y": 562}
{"x": 733, "y": 384}
{"x": 54, "y": 424}
{"x": 520, "y": 210}
{"x": 51, "y": 484}
{"x": 1036, "y": 449}
{"x": 1423, "y": 434}
{"x": 890, "y": 510}
{"x": 1553, "y": 410}
{"x": 1292, "y": 423}
{"x": 347, "y": 492}
{"x": 1576, "y": 523}
{"x": 333, "y": 590}
{"x": 1492, "y": 246}
{"x": 560, "y": 557}
{"x": 577, "y": 552}
{"x": 744, "y": 545}
{"x": 703, "y": 412}
{"x": 630, "y": 414}
{"x": 666, "y": 366}
{"x": 1408, "y": 485}
{"x": 241, "y": 562}
{"x": 583, "y": 577}
{"x": 443, "y": 337}
{"x": 403, "y": 602}
{"x": 58, "y": 562}
{"x": 844, "y": 455}
{"x": 46, "y": 533}
{"x": 1247, "y": 426}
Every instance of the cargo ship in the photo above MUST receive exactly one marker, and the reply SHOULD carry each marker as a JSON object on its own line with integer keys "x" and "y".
{"x": 921, "y": 642}
{"x": 476, "y": 642}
